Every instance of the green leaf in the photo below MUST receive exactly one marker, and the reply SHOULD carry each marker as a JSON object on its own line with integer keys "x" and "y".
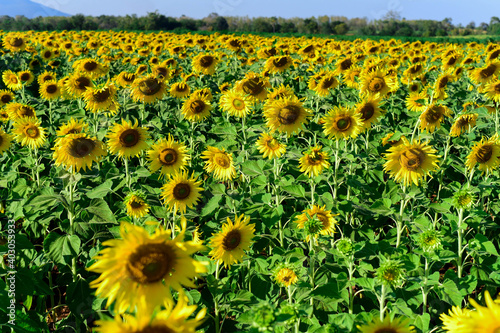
{"x": 295, "y": 190}
{"x": 450, "y": 293}
{"x": 382, "y": 206}
{"x": 211, "y": 205}
{"x": 101, "y": 211}
{"x": 253, "y": 168}
{"x": 79, "y": 296}
{"x": 485, "y": 245}
{"x": 61, "y": 248}
{"x": 100, "y": 191}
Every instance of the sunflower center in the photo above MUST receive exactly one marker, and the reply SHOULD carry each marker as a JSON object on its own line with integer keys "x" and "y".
{"x": 25, "y": 77}
{"x": 181, "y": 87}
{"x": 197, "y": 106}
{"x": 434, "y": 114}
{"x": 162, "y": 72}
{"x": 90, "y": 66}
{"x": 414, "y": 87}
{"x": 156, "y": 329}
{"x": 377, "y": 84}
{"x": 231, "y": 240}
{"x": 16, "y": 41}
{"x": 280, "y": 62}
{"x": 343, "y": 124}
{"x": 181, "y": 191}
{"x": 206, "y": 61}
{"x": 25, "y": 111}
{"x": 289, "y": 115}
{"x": 412, "y": 159}
{"x": 497, "y": 88}
{"x": 82, "y": 83}
{"x": 168, "y": 156}
{"x": 415, "y": 69}
{"x": 452, "y": 60}
{"x": 443, "y": 82}
{"x": 48, "y": 78}
{"x": 102, "y": 95}
{"x": 488, "y": 71}
{"x": 150, "y": 263}
{"x": 386, "y": 330}
{"x": 135, "y": 204}
{"x": 6, "y": 98}
{"x": 222, "y": 160}
{"x": 272, "y": 144}
{"x": 484, "y": 153}
{"x": 315, "y": 158}
{"x": 367, "y": 111}
{"x": 51, "y": 88}
{"x": 1, "y": 140}
{"x": 253, "y": 86}
{"x": 47, "y": 54}
{"x": 238, "y": 104}
{"x": 129, "y": 77}
{"x": 309, "y": 48}
{"x": 13, "y": 79}
{"x": 129, "y": 137}
{"x": 81, "y": 147}
{"x": 346, "y": 64}
{"x": 149, "y": 87}
{"x": 32, "y": 132}
{"x": 327, "y": 82}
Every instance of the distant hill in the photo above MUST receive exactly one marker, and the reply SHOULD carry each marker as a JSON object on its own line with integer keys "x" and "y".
{"x": 27, "y": 8}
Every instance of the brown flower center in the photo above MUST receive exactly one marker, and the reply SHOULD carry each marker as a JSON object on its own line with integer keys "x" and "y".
{"x": 32, "y": 131}
{"x": 367, "y": 111}
{"x": 90, "y": 65}
{"x": 25, "y": 76}
{"x": 343, "y": 124}
{"x": 51, "y": 89}
{"x": 16, "y": 41}
{"x": 222, "y": 160}
{"x": 231, "y": 240}
{"x": 82, "y": 83}
{"x": 289, "y": 115}
{"x": 128, "y": 77}
{"x": 6, "y": 98}
{"x": 206, "y": 61}
{"x": 386, "y": 330}
{"x": 434, "y": 114}
{"x": 376, "y": 84}
{"x": 253, "y": 86}
{"x": 81, "y": 147}
{"x": 443, "y": 82}
{"x": 168, "y": 156}
{"x": 156, "y": 329}
{"x": 488, "y": 71}
{"x": 150, "y": 263}
{"x": 280, "y": 62}
{"x": 197, "y": 106}
{"x": 26, "y": 111}
{"x": 412, "y": 159}
{"x": 484, "y": 153}
{"x": 149, "y": 87}
{"x": 181, "y": 191}
{"x": 129, "y": 137}
{"x": 346, "y": 64}
{"x": 328, "y": 82}
{"x": 135, "y": 204}
{"x": 102, "y": 95}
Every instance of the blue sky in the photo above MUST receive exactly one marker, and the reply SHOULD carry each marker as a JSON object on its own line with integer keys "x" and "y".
{"x": 461, "y": 11}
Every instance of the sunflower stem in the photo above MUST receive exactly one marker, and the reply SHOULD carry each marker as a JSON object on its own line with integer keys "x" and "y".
{"x": 71, "y": 216}
{"x": 313, "y": 189}
{"x": 399, "y": 222}
{"x": 460, "y": 249}
{"x": 424, "y": 287}
{"x": 50, "y": 112}
{"x": 311, "y": 264}
{"x": 351, "y": 270}
{"x": 383, "y": 294}
{"x": 216, "y": 302}
{"x": 337, "y": 162}
{"x": 127, "y": 174}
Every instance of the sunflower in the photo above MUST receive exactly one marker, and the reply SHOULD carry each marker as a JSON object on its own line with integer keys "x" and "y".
{"x": 14, "y": 42}
{"x": 77, "y": 151}
{"x": 410, "y": 162}
{"x": 314, "y": 161}
{"x": 453, "y": 322}
{"x": 26, "y": 77}
{"x": 6, "y": 97}
{"x": 278, "y": 64}
{"x": 280, "y": 92}
{"x": 326, "y": 84}
{"x": 101, "y": 98}
{"x": 162, "y": 72}
{"x": 492, "y": 91}
{"x": 205, "y": 94}
{"x": 463, "y": 123}
{"x": 270, "y": 147}
{"x": 220, "y": 163}
{"x": 486, "y": 153}
{"x": 441, "y": 84}
{"x": 136, "y": 204}
{"x": 12, "y": 80}
{"x": 413, "y": 72}
{"x": 253, "y": 85}
{"x": 5, "y": 140}
{"x": 127, "y": 140}
{"x": 90, "y": 68}
{"x": 148, "y": 89}
{"x": 28, "y": 132}
{"x": 77, "y": 84}
{"x": 18, "y": 110}
{"x": 125, "y": 79}
{"x": 397, "y": 325}
{"x": 315, "y": 221}
{"x": 286, "y": 115}
{"x": 342, "y": 123}
{"x": 46, "y": 76}
{"x": 486, "y": 319}
{"x": 168, "y": 156}
{"x": 229, "y": 244}
{"x": 4, "y": 115}
{"x": 50, "y": 90}
{"x": 139, "y": 269}
{"x": 486, "y": 74}
{"x": 181, "y": 191}
{"x": 180, "y": 89}
{"x": 235, "y": 103}
{"x": 205, "y": 63}
{"x": 196, "y": 108}
{"x": 172, "y": 319}
{"x": 72, "y": 126}
{"x": 351, "y": 75}
{"x": 285, "y": 276}
{"x": 417, "y": 101}
{"x": 432, "y": 117}
{"x": 377, "y": 82}
{"x": 343, "y": 65}
{"x": 368, "y": 110}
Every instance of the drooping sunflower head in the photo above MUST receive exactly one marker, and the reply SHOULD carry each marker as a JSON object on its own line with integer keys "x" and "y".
{"x": 136, "y": 204}
{"x": 140, "y": 269}
{"x": 397, "y": 325}
{"x": 314, "y": 161}
{"x": 77, "y": 84}
{"x": 485, "y": 153}
{"x": 486, "y": 74}
{"x": 127, "y": 139}
{"x": 236, "y": 104}
{"x": 417, "y": 101}
{"x": 326, "y": 84}
{"x": 229, "y": 244}
{"x": 18, "y": 110}
{"x": 125, "y": 79}
{"x": 432, "y": 117}
{"x": 148, "y": 89}
{"x": 254, "y": 86}
{"x": 78, "y": 151}
{"x": 14, "y": 42}
{"x": 281, "y": 91}
{"x": 410, "y": 162}
{"x": 342, "y": 123}
{"x": 220, "y": 163}
{"x": 168, "y": 156}
{"x": 270, "y": 147}
{"x": 5, "y": 140}
{"x": 286, "y": 115}
{"x": 162, "y": 72}
{"x": 6, "y": 97}
{"x": 196, "y": 108}
{"x": 205, "y": 63}
{"x": 463, "y": 123}
{"x": 316, "y": 221}
{"x": 463, "y": 199}
{"x": 181, "y": 191}
{"x": 180, "y": 89}
{"x": 28, "y": 132}
{"x": 278, "y": 64}
{"x": 492, "y": 91}
{"x": 73, "y": 126}
{"x": 12, "y": 80}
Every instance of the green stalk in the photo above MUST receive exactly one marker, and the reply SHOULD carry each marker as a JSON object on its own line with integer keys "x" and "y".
{"x": 127, "y": 175}
{"x": 71, "y": 216}
{"x": 424, "y": 287}
{"x": 460, "y": 249}
{"x": 277, "y": 198}
{"x": 216, "y": 303}
{"x": 399, "y": 222}
{"x": 351, "y": 292}
{"x": 311, "y": 264}
{"x": 337, "y": 162}
{"x": 383, "y": 294}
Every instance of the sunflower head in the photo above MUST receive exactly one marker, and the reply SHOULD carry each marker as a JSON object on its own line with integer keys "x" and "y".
{"x": 205, "y": 63}
{"x": 342, "y": 123}
{"x": 76, "y": 151}
{"x": 5, "y": 140}
{"x": 148, "y": 89}
{"x": 6, "y": 97}
{"x": 270, "y": 147}
{"x": 127, "y": 139}
{"x": 136, "y": 204}
{"x": 236, "y": 104}
{"x": 390, "y": 273}
{"x": 314, "y": 161}
{"x": 73, "y": 126}
{"x": 396, "y": 325}
{"x": 429, "y": 240}
{"x": 316, "y": 221}
{"x": 345, "y": 246}
{"x": 285, "y": 275}
{"x": 286, "y": 115}
{"x": 196, "y": 108}
{"x": 28, "y": 132}
{"x": 485, "y": 153}
{"x": 463, "y": 199}
{"x": 50, "y": 90}
{"x": 12, "y": 80}
{"x": 220, "y": 163}
{"x": 180, "y": 89}
{"x": 181, "y": 191}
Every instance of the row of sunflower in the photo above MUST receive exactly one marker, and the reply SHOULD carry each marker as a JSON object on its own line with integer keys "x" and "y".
{"x": 257, "y": 133}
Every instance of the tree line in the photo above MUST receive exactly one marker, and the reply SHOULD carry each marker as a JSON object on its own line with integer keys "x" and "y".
{"x": 390, "y": 25}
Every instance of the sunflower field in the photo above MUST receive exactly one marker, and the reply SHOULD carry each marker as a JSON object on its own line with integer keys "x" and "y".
{"x": 162, "y": 183}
